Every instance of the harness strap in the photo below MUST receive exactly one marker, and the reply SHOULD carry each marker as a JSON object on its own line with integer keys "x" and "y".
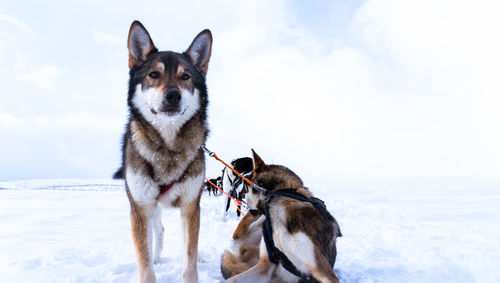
{"x": 293, "y": 194}
{"x": 316, "y": 202}
{"x": 212, "y": 154}
{"x": 237, "y": 202}
{"x": 274, "y": 254}
{"x": 236, "y": 182}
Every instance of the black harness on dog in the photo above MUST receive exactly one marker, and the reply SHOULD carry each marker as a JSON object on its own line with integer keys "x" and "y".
{"x": 232, "y": 192}
{"x": 275, "y": 255}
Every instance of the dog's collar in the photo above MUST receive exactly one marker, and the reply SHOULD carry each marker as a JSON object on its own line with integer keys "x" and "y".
{"x": 163, "y": 187}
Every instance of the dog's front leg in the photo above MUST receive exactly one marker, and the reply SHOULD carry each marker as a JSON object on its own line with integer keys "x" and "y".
{"x": 140, "y": 217}
{"x": 158, "y": 231}
{"x": 190, "y": 214}
{"x": 225, "y": 206}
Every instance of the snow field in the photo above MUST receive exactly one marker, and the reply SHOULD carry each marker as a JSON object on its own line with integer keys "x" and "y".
{"x": 79, "y": 231}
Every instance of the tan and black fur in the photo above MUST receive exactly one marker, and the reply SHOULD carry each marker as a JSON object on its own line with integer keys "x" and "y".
{"x": 167, "y": 126}
{"x": 300, "y": 231}
{"x": 246, "y": 242}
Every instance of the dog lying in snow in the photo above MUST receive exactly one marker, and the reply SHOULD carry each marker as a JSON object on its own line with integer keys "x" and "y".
{"x": 295, "y": 233}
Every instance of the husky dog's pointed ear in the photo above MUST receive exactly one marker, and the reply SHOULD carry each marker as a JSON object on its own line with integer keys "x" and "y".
{"x": 200, "y": 50}
{"x": 257, "y": 161}
{"x": 139, "y": 44}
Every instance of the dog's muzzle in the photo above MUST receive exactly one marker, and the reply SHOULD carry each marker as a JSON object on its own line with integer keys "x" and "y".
{"x": 171, "y": 103}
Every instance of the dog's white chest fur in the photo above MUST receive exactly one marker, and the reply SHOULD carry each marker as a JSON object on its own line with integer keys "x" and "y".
{"x": 145, "y": 190}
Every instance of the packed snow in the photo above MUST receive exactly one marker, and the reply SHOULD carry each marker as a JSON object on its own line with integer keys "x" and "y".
{"x": 79, "y": 231}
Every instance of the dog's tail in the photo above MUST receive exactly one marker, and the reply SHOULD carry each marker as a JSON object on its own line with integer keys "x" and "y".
{"x": 119, "y": 174}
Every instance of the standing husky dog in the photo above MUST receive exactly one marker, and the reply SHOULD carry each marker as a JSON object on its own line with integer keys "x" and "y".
{"x": 299, "y": 234}
{"x": 163, "y": 163}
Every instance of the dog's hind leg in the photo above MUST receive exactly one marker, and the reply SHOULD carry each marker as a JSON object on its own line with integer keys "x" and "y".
{"x": 158, "y": 232}
{"x": 190, "y": 214}
{"x": 322, "y": 270}
{"x": 140, "y": 217}
{"x": 324, "y": 274}
{"x": 261, "y": 272}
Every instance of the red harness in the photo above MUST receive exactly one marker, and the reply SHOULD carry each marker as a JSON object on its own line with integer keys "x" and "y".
{"x": 164, "y": 187}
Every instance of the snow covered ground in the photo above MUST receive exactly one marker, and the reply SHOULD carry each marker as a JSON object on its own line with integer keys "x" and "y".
{"x": 79, "y": 231}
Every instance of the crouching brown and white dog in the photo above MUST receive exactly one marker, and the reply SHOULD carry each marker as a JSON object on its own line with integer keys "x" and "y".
{"x": 296, "y": 233}
{"x": 163, "y": 163}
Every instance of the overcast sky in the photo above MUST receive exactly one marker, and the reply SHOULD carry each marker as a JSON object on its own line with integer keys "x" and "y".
{"x": 374, "y": 91}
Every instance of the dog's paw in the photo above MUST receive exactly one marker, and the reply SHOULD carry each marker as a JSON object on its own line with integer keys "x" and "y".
{"x": 190, "y": 277}
{"x": 148, "y": 276}
{"x": 156, "y": 255}
{"x": 156, "y": 259}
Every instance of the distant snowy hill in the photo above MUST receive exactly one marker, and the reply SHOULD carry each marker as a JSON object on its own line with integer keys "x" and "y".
{"x": 79, "y": 231}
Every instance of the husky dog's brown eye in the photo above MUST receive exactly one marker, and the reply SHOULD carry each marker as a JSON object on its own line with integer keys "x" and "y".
{"x": 154, "y": 74}
{"x": 185, "y": 77}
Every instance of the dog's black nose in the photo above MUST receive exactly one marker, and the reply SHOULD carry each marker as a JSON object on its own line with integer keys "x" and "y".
{"x": 173, "y": 97}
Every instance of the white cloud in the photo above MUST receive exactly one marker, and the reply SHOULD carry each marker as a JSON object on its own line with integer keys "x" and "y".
{"x": 69, "y": 145}
{"x": 445, "y": 101}
{"x": 416, "y": 97}
{"x": 72, "y": 121}
{"x": 109, "y": 39}
{"x": 431, "y": 35}
{"x": 13, "y": 34}
{"x": 412, "y": 93}
{"x": 12, "y": 20}
{"x": 45, "y": 77}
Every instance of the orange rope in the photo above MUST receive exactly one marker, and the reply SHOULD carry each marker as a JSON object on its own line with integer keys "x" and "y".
{"x": 212, "y": 154}
{"x": 237, "y": 202}
{"x": 243, "y": 177}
